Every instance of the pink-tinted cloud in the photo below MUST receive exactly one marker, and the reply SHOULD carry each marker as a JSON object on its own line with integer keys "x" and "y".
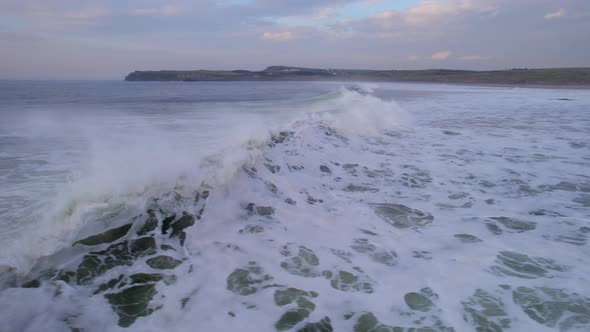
{"x": 474, "y": 58}
{"x": 441, "y": 55}
{"x": 430, "y": 11}
{"x": 278, "y": 36}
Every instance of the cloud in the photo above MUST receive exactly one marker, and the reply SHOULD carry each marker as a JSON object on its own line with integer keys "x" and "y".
{"x": 87, "y": 14}
{"x": 441, "y": 55}
{"x": 324, "y": 13}
{"x": 370, "y": 2}
{"x": 60, "y": 19}
{"x": 560, "y": 13}
{"x": 278, "y": 36}
{"x": 426, "y": 20}
{"x": 164, "y": 11}
{"x": 483, "y": 34}
{"x": 430, "y": 11}
{"x": 474, "y": 58}
{"x": 19, "y": 37}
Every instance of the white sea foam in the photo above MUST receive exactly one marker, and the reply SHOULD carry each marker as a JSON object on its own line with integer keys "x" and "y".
{"x": 123, "y": 159}
{"x": 428, "y": 195}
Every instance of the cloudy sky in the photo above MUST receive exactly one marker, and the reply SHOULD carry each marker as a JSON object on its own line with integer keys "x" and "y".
{"x": 83, "y": 39}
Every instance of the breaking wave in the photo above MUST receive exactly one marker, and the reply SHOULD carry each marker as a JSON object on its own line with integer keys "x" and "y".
{"x": 339, "y": 212}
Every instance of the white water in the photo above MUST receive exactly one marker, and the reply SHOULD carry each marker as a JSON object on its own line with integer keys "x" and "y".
{"x": 460, "y": 154}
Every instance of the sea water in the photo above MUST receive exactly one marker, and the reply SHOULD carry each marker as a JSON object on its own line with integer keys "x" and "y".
{"x": 219, "y": 206}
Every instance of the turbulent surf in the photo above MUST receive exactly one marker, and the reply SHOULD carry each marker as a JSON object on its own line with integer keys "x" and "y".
{"x": 293, "y": 207}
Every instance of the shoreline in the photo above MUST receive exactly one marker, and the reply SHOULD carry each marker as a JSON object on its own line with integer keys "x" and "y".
{"x": 497, "y": 85}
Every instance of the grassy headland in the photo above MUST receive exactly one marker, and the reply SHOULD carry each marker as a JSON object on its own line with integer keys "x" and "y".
{"x": 546, "y": 76}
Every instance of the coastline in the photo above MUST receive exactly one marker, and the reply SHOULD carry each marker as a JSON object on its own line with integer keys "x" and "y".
{"x": 571, "y": 78}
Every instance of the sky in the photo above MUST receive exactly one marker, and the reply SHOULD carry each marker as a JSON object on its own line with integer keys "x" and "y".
{"x": 83, "y": 39}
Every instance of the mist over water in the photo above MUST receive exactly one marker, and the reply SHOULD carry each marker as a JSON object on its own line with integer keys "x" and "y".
{"x": 293, "y": 206}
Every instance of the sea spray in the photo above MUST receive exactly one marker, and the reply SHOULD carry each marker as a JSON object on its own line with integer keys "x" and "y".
{"x": 335, "y": 212}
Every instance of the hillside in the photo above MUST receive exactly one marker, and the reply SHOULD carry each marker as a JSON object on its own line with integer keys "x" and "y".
{"x": 548, "y": 76}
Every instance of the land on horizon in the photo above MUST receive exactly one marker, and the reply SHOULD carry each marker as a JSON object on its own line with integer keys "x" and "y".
{"x": 518, "y": 76}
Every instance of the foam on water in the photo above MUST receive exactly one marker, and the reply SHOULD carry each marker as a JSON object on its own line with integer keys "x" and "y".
{"x": 126, "y": 159}
{"x": 461, "y": 209}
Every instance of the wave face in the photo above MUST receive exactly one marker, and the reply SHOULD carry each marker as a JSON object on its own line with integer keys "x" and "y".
{"x": 293, "y": 206}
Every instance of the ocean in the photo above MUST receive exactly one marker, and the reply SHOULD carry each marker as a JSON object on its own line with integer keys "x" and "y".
{"x": 293, "y": 206}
